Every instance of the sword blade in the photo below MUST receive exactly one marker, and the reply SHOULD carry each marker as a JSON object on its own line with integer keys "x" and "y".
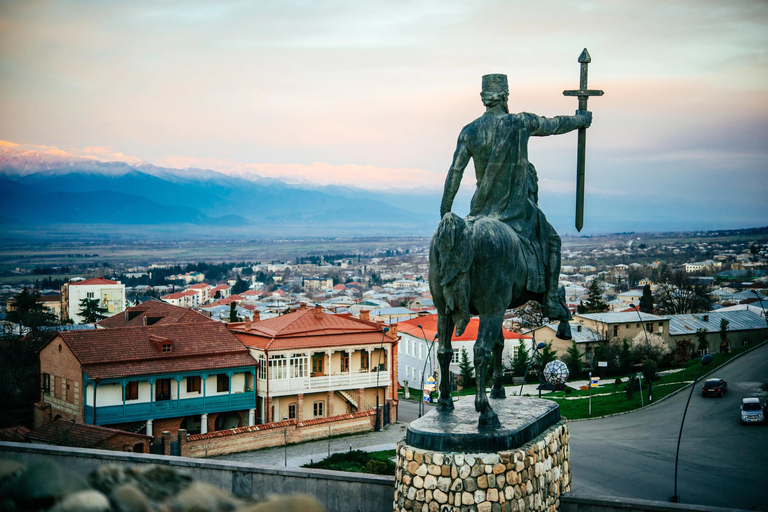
{"x": 580, "y": 174}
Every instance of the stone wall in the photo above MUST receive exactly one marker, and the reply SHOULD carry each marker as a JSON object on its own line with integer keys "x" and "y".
{"x": 529, "y": 478}
{"x": 333, "y": 489}
{"x": 245, "y": 439}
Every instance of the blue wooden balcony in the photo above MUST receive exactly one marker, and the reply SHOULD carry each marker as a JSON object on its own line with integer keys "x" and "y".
{"x": 109, "y": 414}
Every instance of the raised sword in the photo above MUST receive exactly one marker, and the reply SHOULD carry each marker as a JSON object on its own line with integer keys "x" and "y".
{"x": 583, "y": 93}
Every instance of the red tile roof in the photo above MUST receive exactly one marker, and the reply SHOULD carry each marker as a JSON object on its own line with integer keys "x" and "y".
{"x": 302, "y": 329}
{"x": 200, "y": 286}
{"x": 95, "y": 280}
{"x": 429, "y": 323}
{"x": 130, "y": 351}
{"x": 178, "y": 295}
{"x": 68, "y": 433}
{"x": 167, "y": 314}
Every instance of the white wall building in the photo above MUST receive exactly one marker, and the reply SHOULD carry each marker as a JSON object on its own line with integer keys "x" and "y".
{"x": 111, "y": 296}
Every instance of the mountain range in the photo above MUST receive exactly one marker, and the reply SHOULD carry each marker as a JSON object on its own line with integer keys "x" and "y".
{"x": 40, "y": 189}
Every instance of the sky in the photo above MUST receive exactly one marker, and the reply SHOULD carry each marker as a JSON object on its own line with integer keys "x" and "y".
{"x": 374, "y": 94}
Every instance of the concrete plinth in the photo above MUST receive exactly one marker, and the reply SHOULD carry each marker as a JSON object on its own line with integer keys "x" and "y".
{"x": 528, "y": 472}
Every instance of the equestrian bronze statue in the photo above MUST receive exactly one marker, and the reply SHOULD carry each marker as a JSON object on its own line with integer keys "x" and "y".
{"x": 504, "y": 253}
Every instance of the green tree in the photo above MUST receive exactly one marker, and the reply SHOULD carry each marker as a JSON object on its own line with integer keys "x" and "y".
{"x": 91, "y": 311}
{"x": 724, "y": 334}
{"x": 29, "y": 313}
{"x": 544, "y": 356}
{"x": 594, "y": 303}
{"x": 233, "y": 311}
{"x": 682, "y": 351}
{"x": 239, "y": 287}
{"x": 646, "y": 301}
{"x": 701, "y": 335}
{"x": 217, "y": 295}
{"x": 625, "y": 355}
{"x": 466, "y": 369}
{"x": 572, "y": 359}
{"x": 520, "y": 360}
{"x": 600, "y": 353}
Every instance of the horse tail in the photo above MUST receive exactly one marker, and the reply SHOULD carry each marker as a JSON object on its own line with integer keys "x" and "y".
{"x": 453, "y": 243}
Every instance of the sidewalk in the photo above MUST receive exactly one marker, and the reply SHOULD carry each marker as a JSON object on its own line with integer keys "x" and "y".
{"x": 314, "y": 451}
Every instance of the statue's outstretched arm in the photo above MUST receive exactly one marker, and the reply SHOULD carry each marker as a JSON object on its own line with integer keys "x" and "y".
{"x": 542, "y": 126}
{"x": 455, "y": 173}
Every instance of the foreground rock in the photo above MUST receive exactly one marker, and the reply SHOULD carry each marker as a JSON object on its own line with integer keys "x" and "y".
{"x": 46, "y": 487}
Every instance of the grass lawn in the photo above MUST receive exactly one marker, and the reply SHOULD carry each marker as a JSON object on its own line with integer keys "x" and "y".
{"x": 612, "y": 399}
{"x": 618, "y": 401}
{"x": 357, "y": 461}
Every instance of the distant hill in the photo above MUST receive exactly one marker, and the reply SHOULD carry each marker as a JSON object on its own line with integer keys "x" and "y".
{"x": 47, "y": 190}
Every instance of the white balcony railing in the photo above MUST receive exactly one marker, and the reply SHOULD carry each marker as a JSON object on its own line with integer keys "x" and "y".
{"x": 348, "y": 380}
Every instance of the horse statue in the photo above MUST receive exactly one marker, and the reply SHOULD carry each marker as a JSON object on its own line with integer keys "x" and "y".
{"x": 461, "y": 256}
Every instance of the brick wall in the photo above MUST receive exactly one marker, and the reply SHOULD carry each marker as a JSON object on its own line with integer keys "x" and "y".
{"x": 66, "y": 392}
{"x": 274, "y": 434}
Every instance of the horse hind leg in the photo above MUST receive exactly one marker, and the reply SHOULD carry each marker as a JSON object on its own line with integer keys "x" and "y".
{"x": 497, "y": 391}
{"x": 488, "y": 332}
{"x": 444, "y": 355}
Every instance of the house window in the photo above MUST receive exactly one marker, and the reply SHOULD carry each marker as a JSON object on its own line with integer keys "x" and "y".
{"x": 317, "y": 363}
{"x": 262, "y": 367}
{"x": 318, "y": 408}
{"x": 278, "y": 367}
{"x": 421, "y": 356}
{"x": 167, "y": 348}
{"x": 193, "y": 384}
{"x": 345, "y": 361}
{"x": 298, "y": 366}
{"x": 649, "y": 327}
{"x": 222, "y": 383}
{"x": 456, "y": 356}
{"x": 615, "y": 330}
{"x": 46, "y": 383}
{"x": 364, "y": 360}
{"x": 89, "y": 295}
{"x": 291, "y": 411}
{"x": 162, "y": 390}
{"x": 132, "y": 391}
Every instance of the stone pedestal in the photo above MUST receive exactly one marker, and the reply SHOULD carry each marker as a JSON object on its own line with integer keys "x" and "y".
{"x": 447, "y": 464}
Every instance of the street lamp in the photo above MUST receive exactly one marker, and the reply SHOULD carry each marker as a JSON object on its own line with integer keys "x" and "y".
{"x": 649, "y": 379}
{"x": 424, "y": 371}
{"x": 704, "y": 361}
{"x": 378, "y": 371}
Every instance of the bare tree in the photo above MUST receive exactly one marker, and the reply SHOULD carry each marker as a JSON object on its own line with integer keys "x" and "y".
{"x": 683, "y": 294}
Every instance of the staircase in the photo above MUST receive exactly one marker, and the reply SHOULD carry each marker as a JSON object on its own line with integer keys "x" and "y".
{"x": 349, "y": 398}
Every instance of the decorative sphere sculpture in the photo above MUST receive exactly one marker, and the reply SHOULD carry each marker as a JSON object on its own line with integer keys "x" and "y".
{"x": 556, "y": 373}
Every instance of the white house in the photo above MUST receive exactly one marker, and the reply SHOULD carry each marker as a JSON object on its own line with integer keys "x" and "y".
{"x": 111, "y": 296}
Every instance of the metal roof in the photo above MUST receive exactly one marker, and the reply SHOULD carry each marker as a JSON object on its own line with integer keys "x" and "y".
{"x": 742, "y": 320}
{"x": 585, "y": 335}
{"x": 622, "y": 318}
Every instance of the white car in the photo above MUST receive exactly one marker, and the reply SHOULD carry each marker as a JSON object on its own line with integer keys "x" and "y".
{"x": 751, "y": 411}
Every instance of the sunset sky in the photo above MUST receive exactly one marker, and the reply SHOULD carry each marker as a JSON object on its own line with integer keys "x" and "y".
{"x": 374, "y": 94}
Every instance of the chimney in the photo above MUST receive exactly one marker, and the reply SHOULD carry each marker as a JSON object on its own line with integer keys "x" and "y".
{"x": 578, "y": 328}
{"x": 247, "y": 324}
{"x": 256, "y": 316}
{"x": 318, "y": 311}
{"x": 302, "y": 305}
{"x": 706, "y": 318}
{"x": 392, "y": 331}
{"x": 365, "y": 315}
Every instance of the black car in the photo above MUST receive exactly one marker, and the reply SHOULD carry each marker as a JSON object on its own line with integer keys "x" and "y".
{"x": 714, "y": 386}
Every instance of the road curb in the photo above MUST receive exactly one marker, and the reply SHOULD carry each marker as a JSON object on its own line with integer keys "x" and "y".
{"x": 674, "y": 392}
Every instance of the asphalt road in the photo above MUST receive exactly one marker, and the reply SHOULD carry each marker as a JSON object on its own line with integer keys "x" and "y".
{"x": 722, "y": 463}
{"x": 408, "y": 410}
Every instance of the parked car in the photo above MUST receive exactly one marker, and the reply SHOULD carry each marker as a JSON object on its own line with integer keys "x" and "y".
{"x": 714, "y": 386}
{"x": 751, "y": 411}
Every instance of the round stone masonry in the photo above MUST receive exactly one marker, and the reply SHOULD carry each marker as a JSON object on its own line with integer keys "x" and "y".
{"x": 527, "y": 468}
